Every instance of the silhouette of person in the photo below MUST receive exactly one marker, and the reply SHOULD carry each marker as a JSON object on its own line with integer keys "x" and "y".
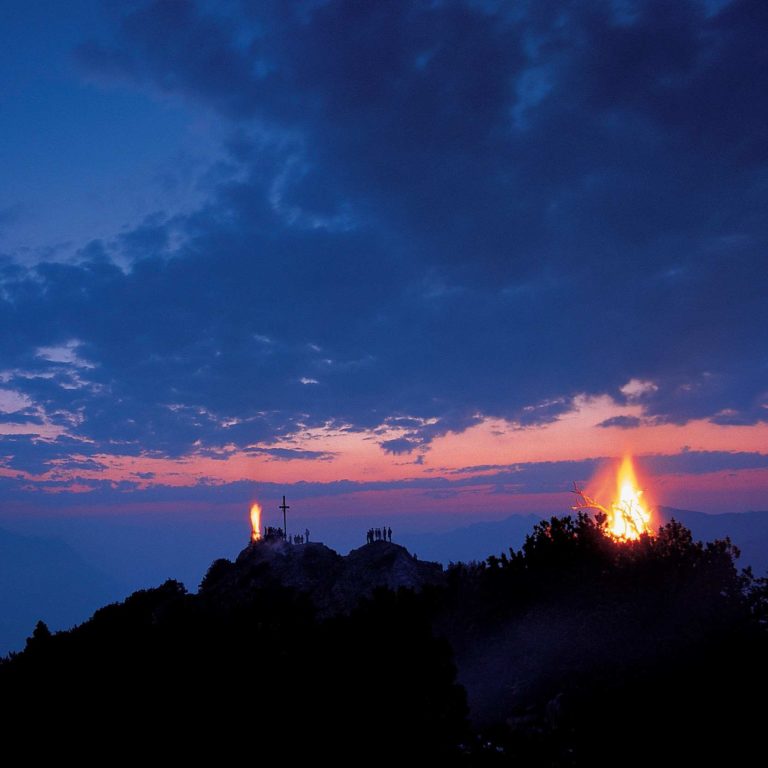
{"x": 389, "y": 534}
{"x": 306, "y": 535}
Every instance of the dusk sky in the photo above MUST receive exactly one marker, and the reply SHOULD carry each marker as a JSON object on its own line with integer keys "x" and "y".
{"x": 434, "y": 259}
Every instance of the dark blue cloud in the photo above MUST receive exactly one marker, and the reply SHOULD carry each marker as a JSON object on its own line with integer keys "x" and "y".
{"x": 430, "y": 213}
{"x": 702, "y": 462}
{"x": 30, "y": 453}
{"x": 291, "y": 454}
{"x": 399, "y": 445}
{"x": 623, "y": 422}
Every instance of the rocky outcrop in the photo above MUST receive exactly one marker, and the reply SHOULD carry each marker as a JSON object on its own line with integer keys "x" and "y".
{"x": 334, "y": 583}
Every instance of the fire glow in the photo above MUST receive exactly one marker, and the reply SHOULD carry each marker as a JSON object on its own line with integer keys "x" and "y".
{"x": 255, "y": 522}
{"x": 629, "y": 516}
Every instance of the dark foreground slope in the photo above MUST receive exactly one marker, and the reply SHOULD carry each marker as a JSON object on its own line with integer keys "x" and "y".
{"x": 290, "y": 652}
{"x": 573, "y": 651}
{"x": 577, "y": 650}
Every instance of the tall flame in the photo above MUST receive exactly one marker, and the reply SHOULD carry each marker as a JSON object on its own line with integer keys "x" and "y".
{"x": 629, "y": 516}
{"x": 255, "y": 522}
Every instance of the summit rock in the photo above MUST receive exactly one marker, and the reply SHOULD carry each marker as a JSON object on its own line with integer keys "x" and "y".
{"x": 335, "y": 583}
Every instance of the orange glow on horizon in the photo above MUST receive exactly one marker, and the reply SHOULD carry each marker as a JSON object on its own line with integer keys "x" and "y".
{"x": 491, "y": 445}
{"x": 357, "y": 456}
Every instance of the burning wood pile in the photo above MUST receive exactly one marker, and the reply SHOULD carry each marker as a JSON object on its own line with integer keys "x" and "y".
{"x": 628, "y": 516}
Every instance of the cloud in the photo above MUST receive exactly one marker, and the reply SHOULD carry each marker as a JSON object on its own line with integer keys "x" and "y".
{"x": 63, "y": 353}
{"x": 549, "y": 477}
{"x": 441, "y": 211}
{"x": 399, "y": 445}
{"x": 12, "y": 401}
{"x": 292, "y": 454}
{"x": 622, "y": 422}
{"x": 635, "y": 389}
{"x": 703, "y": 462}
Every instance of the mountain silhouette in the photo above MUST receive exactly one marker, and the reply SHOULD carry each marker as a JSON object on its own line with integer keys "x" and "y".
{"x": 573, "y": 650}
{"x": 333, "y": 582}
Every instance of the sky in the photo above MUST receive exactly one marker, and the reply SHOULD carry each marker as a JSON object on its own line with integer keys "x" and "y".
{"x": 430, "y": 260}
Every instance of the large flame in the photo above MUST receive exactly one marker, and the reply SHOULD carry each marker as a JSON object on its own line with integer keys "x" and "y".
{"x": 629, "y": 516}
{"x": 255, "y": 522}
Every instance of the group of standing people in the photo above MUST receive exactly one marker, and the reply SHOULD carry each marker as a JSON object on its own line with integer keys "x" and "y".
{"x": 379, "y": 534}
{"x": 272, "y": 532}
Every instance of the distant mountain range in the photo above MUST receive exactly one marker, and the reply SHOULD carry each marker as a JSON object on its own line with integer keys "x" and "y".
{"x": 747, "y": 530}
{"x": 471, "y": 542}
{"x": 43, "y": 578}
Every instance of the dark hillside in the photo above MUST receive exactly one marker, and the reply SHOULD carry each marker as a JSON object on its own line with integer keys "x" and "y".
{"x": 574, "y": 650}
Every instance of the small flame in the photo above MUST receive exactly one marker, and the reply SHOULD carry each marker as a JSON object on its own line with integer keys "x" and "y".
{"x": 630, "y": 517}
{"x": 255, "y": 522}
